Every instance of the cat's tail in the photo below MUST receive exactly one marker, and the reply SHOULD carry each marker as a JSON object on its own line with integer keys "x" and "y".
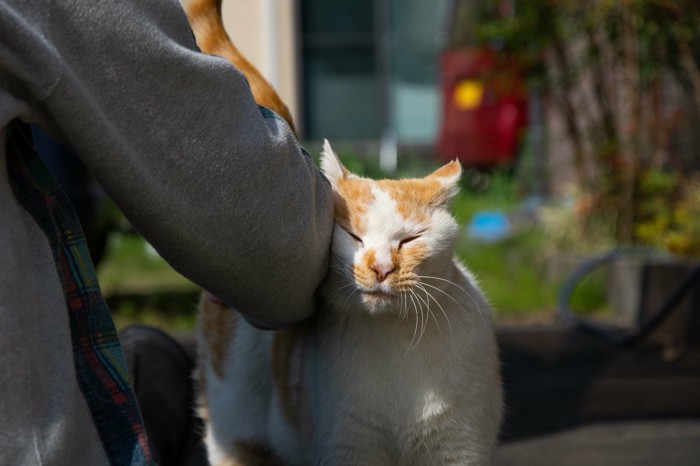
{"x": 208, "y": 27}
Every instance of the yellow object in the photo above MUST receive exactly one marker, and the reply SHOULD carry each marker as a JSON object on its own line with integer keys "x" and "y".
{"x": 468, "y": 94}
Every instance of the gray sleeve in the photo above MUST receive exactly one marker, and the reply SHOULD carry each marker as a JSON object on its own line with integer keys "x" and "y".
{"x": 174, "y": 136}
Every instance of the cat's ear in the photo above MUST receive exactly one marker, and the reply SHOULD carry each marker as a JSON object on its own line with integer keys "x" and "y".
{"x": 331, "y": 166}
{"x": 448, "y": 175}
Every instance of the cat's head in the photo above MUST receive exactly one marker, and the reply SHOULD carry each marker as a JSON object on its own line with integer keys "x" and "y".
{"x": 389, "y": 235}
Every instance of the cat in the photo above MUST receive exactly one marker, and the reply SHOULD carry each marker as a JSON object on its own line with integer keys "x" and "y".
{"x": 399, "y": 367}
{"x": 204, "y": 17}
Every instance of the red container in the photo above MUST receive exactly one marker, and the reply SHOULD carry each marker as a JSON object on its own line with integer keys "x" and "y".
{"x": 484, "y": 109}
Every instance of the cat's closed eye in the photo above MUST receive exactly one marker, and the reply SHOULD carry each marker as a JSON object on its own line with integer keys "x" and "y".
{"x": 408, "y": 240}
{"x": 354, "y": 236}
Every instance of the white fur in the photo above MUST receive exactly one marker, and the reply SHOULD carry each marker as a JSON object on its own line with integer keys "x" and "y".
{"x": 388, "y": 383}
{"x": 331, "y": 165}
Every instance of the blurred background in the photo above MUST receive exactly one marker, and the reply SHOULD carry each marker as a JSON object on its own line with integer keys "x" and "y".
{"x": 576, "y": 123}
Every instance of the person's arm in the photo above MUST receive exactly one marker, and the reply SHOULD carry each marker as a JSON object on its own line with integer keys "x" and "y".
{"x": 225, "y": 195}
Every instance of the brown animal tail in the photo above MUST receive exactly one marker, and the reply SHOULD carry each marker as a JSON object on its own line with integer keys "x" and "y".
{"x": 208, "y": 27}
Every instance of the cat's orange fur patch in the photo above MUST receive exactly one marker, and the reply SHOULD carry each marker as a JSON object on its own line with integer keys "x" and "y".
{"x": 410, "y": 257}
{"x": 362, "y": 269}
{"x": 200, "y": 382}
{"x": 218, "y": 324}
{"x": 208, "y": 27}
{"x": 448, "y": 170}
{"x": 405, "y": 261}
{"x": 251, "y": 453}
{"x": 413, "y": 195}
{"x": 287, "y": 359}
{"x": 352, "y": 200}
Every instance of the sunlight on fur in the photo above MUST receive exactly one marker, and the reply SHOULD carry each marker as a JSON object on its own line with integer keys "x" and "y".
{"x": 400, "y": 365}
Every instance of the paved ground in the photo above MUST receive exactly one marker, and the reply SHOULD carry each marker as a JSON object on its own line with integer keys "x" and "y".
{"x": 574, "y": 400}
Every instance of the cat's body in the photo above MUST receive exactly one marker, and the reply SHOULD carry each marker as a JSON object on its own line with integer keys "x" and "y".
{"x": 399, "y": 367}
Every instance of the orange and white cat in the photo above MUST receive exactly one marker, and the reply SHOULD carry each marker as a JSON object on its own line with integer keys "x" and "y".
{"x": 400, "y": 365}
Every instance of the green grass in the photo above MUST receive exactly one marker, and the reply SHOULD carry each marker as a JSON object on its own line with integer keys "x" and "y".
{"x": 140, "y": 287}
{"x": 510, "y": 272}
{"x": 590, "y": 296}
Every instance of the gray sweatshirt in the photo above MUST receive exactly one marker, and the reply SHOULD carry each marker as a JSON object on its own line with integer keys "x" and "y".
{"x": 226, "y": 196}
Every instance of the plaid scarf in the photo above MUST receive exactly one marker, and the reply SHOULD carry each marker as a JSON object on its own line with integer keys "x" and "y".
{"x": 99, "y": 363}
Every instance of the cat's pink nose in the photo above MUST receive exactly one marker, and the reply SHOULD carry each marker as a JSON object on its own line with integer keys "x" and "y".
{"x": 382, "y": 270}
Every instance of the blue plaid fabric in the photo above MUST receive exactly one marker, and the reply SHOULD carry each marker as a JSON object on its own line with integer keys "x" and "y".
{"x": 100, "y": 366}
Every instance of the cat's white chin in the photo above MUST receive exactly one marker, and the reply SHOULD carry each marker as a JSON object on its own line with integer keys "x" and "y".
{"x": 377, "y": 301}
{"x": 377, "y": 294}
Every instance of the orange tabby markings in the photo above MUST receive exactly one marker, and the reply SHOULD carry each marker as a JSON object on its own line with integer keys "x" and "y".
{"x": 448, "y": 170}
{"x": 405, "y": 262}
{"x": 354, "y": 197}
{"x": 208, "y": 27}
{"x": 218, "y": 323}
{"x": 362, "y": 270}
{"x": 250, "y": 453}
{"x": 412, "y": 194}
{"x": 281, "y": 361}
{"x": 411, "y": 257}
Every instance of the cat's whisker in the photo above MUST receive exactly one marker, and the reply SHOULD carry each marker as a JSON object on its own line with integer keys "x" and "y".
{"x": 345, "y": 303}
{"x": 342, "y": 288}
{"x": 349, "y": 281}
{"x": 478, "y": 308}
{"x": 423, "y": 321}
{"x": 430, "y": 296}
{"x": 415, "y": 328}
{"x": 342, "y": 269}
{"x": 429, "y": 311}
{"x": 403, "y": 312}
{"x": 421, "y": 286}
{"x": 423, "y": 318}
{"x": 399, "y": 312}
{"x": 441, "y": 308}
{"x": 405, "y": 308}
{"x": 419, "y": 314}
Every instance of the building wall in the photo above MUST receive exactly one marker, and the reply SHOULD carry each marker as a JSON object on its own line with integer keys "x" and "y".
{"x": 371, "y": 68}
{"x": 417, "y": 31}
{"x": 353, "y": 87}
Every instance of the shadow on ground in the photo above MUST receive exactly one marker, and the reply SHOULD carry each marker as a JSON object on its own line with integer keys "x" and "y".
{"x": 575, "y": 400}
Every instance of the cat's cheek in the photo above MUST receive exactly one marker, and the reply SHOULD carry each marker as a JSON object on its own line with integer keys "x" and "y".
{"x": 413, "y": 256}
{"x": 344, "y": 249}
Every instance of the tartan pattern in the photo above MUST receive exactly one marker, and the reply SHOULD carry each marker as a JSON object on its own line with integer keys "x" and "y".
{"x": 99, "y": 363}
